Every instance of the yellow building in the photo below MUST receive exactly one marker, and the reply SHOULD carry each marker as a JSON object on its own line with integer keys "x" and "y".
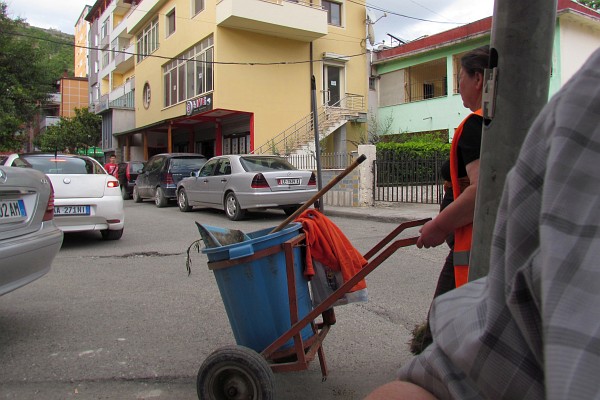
{"x": 234, "y": 76}
{"x": 81, "y": 44}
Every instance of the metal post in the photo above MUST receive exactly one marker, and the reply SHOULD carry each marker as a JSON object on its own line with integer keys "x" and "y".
{"x": 521, "y": 53}
{"x": 313, "y": 85}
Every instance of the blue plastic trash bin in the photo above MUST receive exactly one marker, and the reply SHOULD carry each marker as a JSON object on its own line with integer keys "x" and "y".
{"x": 255, "y": 293}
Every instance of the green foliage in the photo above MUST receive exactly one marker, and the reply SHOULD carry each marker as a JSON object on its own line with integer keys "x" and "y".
{"x": 31, "y": 61}
{"x": 82, "y": 131}
{"x": 417, "y": 149}
{"x": 595, "y": 4}
{"x": 417, "y": 160}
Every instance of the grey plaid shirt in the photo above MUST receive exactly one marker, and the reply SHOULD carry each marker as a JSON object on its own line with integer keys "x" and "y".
{"x": 531, "y": 329}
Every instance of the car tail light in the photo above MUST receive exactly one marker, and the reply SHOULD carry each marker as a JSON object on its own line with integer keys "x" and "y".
{"x": 112, "y": 184}
{"x": 259, "y": 182}
{"x": 49, "y": 213}
{"x": 313, "y": 180}
{"x": 169, "y": 179}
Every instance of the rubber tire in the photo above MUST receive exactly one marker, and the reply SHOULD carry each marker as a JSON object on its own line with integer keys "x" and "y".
{"x": 159, "y": 198}
{"x": 124, "y": 193}
{"x": 111, "y": 235}
{"x": 235, "y": 372}
{"x": 290, "y": 210}
{"x": 182, "y": 201}
{"x": 136, "y": 195}
{"x": 232, "y": 207}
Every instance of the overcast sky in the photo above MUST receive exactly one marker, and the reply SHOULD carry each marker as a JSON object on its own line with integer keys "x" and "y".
{"x": 440, "y": 15}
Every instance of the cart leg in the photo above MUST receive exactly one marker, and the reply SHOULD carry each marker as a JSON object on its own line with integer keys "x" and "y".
{"x": 328, "y": 317}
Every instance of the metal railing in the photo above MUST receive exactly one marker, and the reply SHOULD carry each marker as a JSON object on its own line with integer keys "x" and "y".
{"x": 302, "y": 131}
{"x": 408, "y": 179}
{"x": 328, "y": 160}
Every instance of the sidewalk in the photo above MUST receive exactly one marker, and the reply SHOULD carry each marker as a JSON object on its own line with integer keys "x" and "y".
{"x": 400, "y": 212}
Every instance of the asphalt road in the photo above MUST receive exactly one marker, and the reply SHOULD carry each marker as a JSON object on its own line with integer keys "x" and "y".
{"x": 123, "y": 320}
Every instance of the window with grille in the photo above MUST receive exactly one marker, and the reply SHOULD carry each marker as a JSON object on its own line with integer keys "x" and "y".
{"x": 190, "y": 74}
{"x": 147, "y": 41}
{"x": 334, "y": 12}
{"x": 426, "y": 81}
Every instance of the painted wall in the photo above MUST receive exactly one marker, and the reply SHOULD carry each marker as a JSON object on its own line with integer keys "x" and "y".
{"x": 578, "y": 38}
{"x": 432, "y": 114}
{"x": 279, "y": 94}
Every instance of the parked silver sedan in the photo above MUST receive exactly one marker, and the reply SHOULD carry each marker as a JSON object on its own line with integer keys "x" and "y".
{"x": 29, "y": 239}
{"x": 236, "y": 183}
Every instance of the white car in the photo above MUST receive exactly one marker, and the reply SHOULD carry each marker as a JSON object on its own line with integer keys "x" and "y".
{"x": 87, "y": 198}
{"x": 29, "y": 239}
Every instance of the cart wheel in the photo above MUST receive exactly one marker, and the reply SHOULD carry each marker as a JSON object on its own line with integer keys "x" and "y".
{"x": 236, "y": 373}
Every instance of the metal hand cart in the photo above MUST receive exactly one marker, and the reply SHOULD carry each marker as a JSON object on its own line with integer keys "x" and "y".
{"x": 240, "y": 372}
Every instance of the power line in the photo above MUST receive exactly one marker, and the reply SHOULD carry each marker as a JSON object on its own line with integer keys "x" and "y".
{"x": 247, "y": 63}
{"x": 404, "y": 15}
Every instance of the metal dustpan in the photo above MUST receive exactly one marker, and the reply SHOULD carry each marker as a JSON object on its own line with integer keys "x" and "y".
{"x": 214, "y": 236}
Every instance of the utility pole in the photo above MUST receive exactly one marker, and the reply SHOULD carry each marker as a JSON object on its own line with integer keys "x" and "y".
{"x": 517, "y": 89}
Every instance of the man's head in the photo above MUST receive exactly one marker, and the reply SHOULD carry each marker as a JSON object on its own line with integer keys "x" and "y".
{"x": 113, "y": 158}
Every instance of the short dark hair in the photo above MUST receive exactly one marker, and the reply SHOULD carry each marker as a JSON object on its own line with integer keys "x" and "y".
{"x": 476, "y": 60}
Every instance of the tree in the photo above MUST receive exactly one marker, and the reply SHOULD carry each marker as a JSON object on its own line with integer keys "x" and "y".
{"x": 24, "y": 86}
{"x": 82, "y": 131}
{"x": 595, "y": 4}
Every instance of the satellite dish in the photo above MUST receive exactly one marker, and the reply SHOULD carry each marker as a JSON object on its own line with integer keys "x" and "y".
{"x": 370, "y": 33}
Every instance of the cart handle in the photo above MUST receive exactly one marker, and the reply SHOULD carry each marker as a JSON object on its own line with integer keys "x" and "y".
{"x": 320, "y": 193}
{"x": 349, "y": 284}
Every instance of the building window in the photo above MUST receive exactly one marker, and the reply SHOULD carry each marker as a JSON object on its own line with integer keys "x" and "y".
{"x": 147, "y": 41}
{"x": 171, "y": 22}
{"x": 334, "y": 12}
{"x": 197, "y": 6}
{"x": 190, "y": 74}
{"x": 105, "y": 58}
{"x": 104, "y": 29}
{"x": 418, "y": 82}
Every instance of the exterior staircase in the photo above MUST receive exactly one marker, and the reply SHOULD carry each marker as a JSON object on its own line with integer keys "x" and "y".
{"x": 299, "y": 138}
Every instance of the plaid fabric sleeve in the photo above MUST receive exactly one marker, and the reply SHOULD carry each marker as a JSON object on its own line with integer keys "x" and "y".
{"x": 531, "y": 328}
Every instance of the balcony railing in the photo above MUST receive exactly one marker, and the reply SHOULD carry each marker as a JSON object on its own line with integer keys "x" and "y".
{"x": 125, "y": 101}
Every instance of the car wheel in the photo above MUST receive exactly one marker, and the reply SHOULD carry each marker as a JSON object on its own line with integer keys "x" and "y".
{"x": 159, "y": 197}
{"x": 182, "y": 201}
{"x": 232, "y": 207}
{"x": 136, "y": 195}
{"x": 124, "y": 193}
{"x": 111, "y": 235}
{"x": 290, "y": 210}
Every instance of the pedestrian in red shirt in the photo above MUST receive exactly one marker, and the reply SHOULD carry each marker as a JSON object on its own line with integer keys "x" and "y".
{"x": 112, "y": 167}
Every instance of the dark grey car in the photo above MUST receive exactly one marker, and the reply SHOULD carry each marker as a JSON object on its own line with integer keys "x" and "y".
{"x": 158, "y": 180}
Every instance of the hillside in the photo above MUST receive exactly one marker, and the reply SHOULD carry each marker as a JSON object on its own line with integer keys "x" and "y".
{"x": 55, "y": 46}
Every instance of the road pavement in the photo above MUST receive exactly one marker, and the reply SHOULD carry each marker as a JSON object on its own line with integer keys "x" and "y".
{"x": 123, "y": 320}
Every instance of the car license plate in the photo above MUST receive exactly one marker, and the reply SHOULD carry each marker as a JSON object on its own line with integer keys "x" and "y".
{"x": 288, "y": 181}
{"x": 12, "y": 210}
{"x": 72, "y": 210}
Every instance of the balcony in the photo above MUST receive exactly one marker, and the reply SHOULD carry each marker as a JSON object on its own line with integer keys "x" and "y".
{"x": 297, "y": 20}
{"x": 124, "y": 60}
{"x": 48, "y": 121}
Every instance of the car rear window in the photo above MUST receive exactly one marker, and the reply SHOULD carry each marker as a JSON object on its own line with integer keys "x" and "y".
{"x": 258, "y": 164}
{"x": 63, "y": 165}
{"x": 135, "y": 167}
{"x": 189, "y": 163}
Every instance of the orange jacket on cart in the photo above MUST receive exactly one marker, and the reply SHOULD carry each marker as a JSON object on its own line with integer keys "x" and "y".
{"x": 463, "y": 236}
{"x": 326, "y": 243}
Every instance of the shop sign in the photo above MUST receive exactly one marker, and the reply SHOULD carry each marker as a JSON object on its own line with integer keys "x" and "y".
{"x": 198, "y": 104}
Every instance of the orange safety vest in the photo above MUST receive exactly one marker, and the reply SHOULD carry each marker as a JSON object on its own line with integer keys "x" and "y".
{"x": 462, "y": 236}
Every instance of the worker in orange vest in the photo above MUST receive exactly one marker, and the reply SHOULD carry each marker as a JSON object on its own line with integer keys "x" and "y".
{"x": 457, "y": 217}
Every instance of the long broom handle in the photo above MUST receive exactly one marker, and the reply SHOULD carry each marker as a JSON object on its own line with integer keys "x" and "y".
{"x": 320, "y": 193}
